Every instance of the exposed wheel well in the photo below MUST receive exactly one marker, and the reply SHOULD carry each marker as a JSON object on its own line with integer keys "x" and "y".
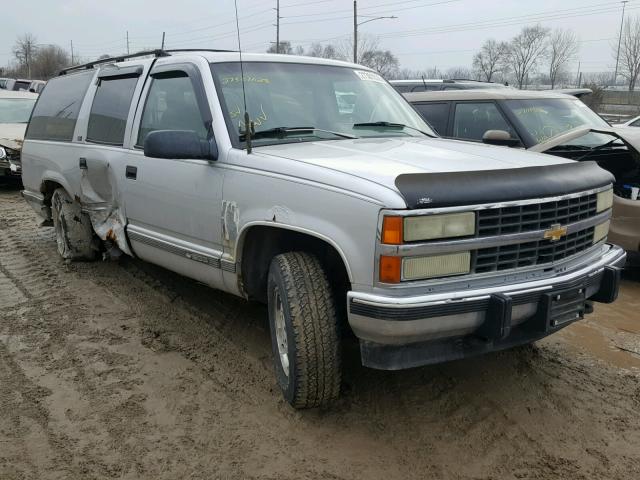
{"x": 47, "y": 188}
{"x": 262, "y": 243}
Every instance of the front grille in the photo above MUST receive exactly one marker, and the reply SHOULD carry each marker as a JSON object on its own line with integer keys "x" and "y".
{"x": 531, "y": 253}
{"x": 538, "y": 216}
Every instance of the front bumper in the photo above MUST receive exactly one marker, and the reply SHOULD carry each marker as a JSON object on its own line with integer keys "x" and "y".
{"x": 402, "y": 332}
{"x": 10, "y": 167}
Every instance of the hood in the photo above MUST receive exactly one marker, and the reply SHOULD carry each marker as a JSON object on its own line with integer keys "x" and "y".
{"x": 381, "y": 160}
{"x": 439, "y": 173}
{"x": 12, "y": 135}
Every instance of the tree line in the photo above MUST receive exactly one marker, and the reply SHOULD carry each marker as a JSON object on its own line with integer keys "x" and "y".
{"x": 536, "y": 55}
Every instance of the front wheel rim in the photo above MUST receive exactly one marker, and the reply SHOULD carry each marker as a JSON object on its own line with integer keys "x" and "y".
{"x": 281, "y": 334}
{"x": 59, "y": 229}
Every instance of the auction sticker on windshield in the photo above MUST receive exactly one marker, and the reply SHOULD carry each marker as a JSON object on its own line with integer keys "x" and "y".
{"x": 370, "y": 76}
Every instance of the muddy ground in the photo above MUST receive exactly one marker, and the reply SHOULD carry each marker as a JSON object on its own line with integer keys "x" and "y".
{"x": 124, "y": 370}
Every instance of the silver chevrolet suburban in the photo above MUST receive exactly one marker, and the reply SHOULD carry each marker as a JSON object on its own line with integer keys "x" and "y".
{"x": 344, "y": 219}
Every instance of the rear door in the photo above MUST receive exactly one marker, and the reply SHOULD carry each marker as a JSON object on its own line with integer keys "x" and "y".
{"x": 102, "y": 153}
{"x": 174, "y": 205}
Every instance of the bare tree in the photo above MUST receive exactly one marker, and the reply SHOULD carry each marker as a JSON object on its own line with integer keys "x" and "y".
{"x": 48, "y": 61}
{"x": 526, "y": 50}
{"x": 601, "y": 79}
{"x": 563, "y": 46}
{"x": 491, "y": 59}
{"x": 459, "y": 73}
{"x": 23, "y": 50}
{"x": 630, "y": 51}
{"x": 324, "y": 51}
{"x": 383, "y": 61}
{"x": 366, "y": 43}
{"x": 285, "y": 48}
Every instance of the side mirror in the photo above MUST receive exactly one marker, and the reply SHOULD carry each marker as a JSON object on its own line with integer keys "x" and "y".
{"x": 500, "y": 137}
{"x": 179, "y": 144}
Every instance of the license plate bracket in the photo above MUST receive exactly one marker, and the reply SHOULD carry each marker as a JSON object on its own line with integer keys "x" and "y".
{"x": 564, "y": 306}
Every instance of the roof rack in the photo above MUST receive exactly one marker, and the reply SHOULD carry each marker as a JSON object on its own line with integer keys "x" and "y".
{"x": 469, "y": 80}
{"x": 122, "y": 58}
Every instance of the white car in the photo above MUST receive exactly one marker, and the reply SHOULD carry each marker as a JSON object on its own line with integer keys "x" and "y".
{"x": 634, "y": 122}
{"x": 15, "y": 110}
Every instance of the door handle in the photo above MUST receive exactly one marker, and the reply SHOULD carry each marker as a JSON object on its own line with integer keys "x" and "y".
{"x": 131, "y": 172}
{"x": 82, "y": 163}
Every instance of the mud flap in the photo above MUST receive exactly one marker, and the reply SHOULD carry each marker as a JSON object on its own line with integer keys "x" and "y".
{"x": 99, "y": 197}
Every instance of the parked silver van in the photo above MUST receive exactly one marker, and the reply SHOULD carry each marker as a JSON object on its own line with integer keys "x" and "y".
{"x": 341, "y": 220}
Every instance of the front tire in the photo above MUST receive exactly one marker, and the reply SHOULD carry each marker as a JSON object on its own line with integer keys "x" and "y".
{"x": 74, "y": 232}
{"x": 305, "y": 334}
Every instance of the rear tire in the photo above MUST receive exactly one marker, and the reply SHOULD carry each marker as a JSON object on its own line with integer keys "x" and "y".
{"x": 305, "y": 334}
{"x": 74, "y": 232}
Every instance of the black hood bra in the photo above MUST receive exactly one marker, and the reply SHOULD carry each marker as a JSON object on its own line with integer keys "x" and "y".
{"x": 451, "y": 189}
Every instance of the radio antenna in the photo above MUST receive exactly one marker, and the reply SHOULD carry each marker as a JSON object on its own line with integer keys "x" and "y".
{"x": 248, "y": 127}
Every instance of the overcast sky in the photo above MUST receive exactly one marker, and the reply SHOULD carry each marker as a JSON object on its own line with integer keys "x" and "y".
{"x": 427, "y": 33}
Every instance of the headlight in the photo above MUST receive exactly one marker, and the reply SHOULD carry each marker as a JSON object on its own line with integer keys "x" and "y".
{"x": 430, "y": 227}
{"x": 414, "y": 268}
{"x": 3, "y": 153}
{"x": 601, "y": 231}
{"x": 605, "y": 200}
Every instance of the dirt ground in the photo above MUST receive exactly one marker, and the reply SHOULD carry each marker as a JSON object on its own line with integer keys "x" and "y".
{"x": 124, "y": 370}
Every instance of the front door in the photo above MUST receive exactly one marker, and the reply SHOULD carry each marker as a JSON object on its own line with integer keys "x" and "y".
{"x": 173, "y": 206}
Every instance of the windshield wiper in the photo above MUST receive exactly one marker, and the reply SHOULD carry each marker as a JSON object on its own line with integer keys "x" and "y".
{"x": 595, "y": 149}
{"x": 391, "y": 125}
{"x": 282, "y": 132}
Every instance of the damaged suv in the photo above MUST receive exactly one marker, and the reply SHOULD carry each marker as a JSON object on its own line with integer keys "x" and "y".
{"x": 252, "y": 178}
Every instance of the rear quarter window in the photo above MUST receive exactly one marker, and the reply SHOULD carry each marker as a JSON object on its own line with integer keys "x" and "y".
{"x": 56, "y": 112}
{"x": 110, "y": 109}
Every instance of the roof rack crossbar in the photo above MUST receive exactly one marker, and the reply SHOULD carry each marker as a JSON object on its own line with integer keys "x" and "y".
{"x": 470, "y": 80}
{"x": 122, "y": 58}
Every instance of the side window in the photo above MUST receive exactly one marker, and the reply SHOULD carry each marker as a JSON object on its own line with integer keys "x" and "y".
{"x": 110, "y": 109}
{"x": 437, "y": 114}
{"x": 472, "y": 120}
{"x": 171, "y": 105}
{"x": 635, "y": 124}
{"x": 55, "y": 114}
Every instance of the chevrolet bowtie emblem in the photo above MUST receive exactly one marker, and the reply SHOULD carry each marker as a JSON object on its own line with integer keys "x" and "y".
{"x": 555, "y": 233}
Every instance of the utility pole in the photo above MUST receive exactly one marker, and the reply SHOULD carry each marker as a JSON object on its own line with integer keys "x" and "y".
{"x": 162, "y": 47}
{"x": 71, "y": 52}
{"x": 127, "y": 42}
{"x": 355, "y": 31}
{"x": 356, "y": 25}
{"x": 28, "y": 57}
{"x": 579, "y": 76}
{"x": 277, "y": 26}
{"x": 615, "y": 75}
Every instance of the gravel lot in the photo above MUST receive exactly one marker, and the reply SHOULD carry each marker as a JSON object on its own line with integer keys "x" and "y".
{"x": 128, "y": 371}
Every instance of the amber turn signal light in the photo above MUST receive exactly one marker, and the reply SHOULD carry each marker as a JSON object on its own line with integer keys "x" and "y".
{"x": 392, "y": 230}
{"x": 390, "y": 269}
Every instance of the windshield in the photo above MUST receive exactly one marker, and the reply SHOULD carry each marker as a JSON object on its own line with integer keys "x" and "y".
{"x": 334, "y": 101}
{"x": 545, "y": 118}
{"x": 16, "y": 110}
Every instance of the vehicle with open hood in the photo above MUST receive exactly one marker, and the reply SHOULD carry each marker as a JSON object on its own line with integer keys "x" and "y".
{"x": 15, "y": 109}
{"x": 311, "y": 185}
{"x": 552, "y": 123}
